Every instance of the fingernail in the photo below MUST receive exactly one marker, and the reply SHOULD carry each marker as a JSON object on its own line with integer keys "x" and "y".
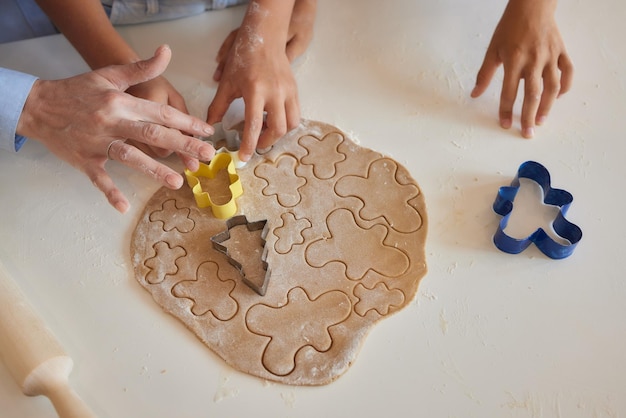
{"x": 244, "y": 157}
{"x": 122, "y": 206}
{"x": 217, "y": 74}
{"x": 164, "y": 47}
{"x": 528, "y": 132}
{"x": 193, "y": 165}
{"x": 506, "y": 123}
{"x": 208, "y": 130}
{"x": 207, "y": 153}
{"x": 174, "y": 180}
{"x": 540, "y": 120}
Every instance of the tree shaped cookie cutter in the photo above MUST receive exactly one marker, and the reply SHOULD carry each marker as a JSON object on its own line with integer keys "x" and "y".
{"x": 503, "y": 206}
{"x": 203, "y": 199}
{"x": 258, "y": 284}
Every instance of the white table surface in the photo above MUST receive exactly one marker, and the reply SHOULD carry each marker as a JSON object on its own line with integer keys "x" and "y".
{"x": 488, "y": 334}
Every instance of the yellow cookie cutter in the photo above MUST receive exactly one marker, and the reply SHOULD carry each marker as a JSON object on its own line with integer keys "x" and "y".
{"x": 219, "y": 162}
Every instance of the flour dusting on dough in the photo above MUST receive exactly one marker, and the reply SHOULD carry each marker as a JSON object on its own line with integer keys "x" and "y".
{"x": 346, "y": 230}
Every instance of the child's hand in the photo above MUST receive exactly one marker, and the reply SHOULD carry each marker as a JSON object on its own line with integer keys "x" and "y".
{"x": 528, "y": 44}
{"x": 300, "y": 28}
{"x": 261, "y": 74}
{"x": 257, "y": 68}
{"x": 298, "y": 39}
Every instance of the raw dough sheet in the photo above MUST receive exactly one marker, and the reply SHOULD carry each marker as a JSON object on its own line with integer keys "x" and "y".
{"x": 345, "y": 246}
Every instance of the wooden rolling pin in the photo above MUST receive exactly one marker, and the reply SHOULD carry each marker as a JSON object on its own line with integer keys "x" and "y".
{"x": 32, "y": 354}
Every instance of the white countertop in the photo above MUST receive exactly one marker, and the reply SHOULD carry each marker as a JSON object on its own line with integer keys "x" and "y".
{"x": 488, "y": 335}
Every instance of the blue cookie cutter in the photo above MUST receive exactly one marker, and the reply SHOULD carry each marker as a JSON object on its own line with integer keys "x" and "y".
{"x": 503, "y": 206}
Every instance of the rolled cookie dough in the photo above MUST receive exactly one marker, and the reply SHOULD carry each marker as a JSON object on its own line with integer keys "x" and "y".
{"x": 345, "y": 245}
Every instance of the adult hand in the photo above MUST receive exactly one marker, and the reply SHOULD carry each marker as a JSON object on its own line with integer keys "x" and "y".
{"x": 157, "y": 90}
{"x": 528, "y": 44}
{"x": 257, "y": 68}
{"x": 85, "y": 120}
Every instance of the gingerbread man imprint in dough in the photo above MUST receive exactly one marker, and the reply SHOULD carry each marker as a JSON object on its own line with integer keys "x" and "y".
{"x": 290, "y": 327}
{"x": 346, "y": 229}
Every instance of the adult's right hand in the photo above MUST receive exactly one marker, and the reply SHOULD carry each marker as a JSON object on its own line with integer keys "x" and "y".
{"x": 85, "y": 120}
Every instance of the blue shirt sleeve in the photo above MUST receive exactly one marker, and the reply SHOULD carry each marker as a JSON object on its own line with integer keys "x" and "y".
{"x": 14, "y": 89}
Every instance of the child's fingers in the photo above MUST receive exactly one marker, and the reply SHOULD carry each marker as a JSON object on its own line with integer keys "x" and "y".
{"x": 508, "y": 94}
{"x": 532, "y": 97}
{"x": 551, "y": 88}
{"x": 226, "y": 45}
{"x": 219, "y": 70}
{"x": 486, "y": 72}
{"x": 292, "y": 107}
{"x": 296, "y": 47}
{"x": 275, "y": 125}
{"x": 177, "y": 102}
{"x": 219, "y": 105}
{"x": 252, "y": 128}
{"x": 567, "y": 73}
{"x": 222, "y": 54}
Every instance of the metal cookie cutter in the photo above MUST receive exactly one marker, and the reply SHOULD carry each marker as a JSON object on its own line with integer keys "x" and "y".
{"x": 227, "y": 135}
{"x": 503, "y": 206}
{"x": 256, "y": 283}
{"x": 227, "y": 141}
{"x": 203, "y": 199}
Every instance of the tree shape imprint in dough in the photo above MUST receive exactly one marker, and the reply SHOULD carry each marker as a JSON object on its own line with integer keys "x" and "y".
{"x": 345, "y": 246}
{"x": 382, "y": 177}
{"x": 173, "y": 217}
{"x": 163, "y": 263}
{"x": 209, "y": 292}
{"x": 340, "y": 247}
{"x": 380, "y": 299}
{"x": 289, "y": 234}
{"x": 323, "y": 154}
{"x": 287, "y": 191}
{"x": 292, "y": 326}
